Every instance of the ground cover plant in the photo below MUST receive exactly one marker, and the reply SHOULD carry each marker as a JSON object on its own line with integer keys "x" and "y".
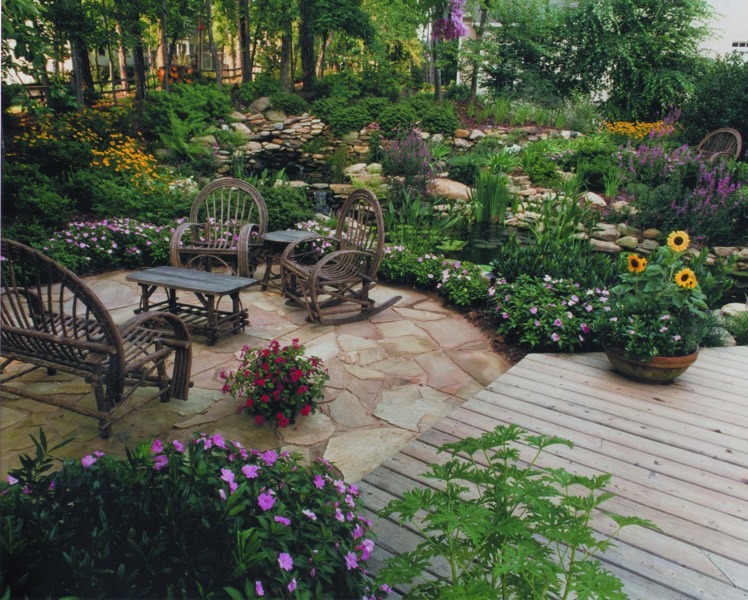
{"x": 195, "y": 518}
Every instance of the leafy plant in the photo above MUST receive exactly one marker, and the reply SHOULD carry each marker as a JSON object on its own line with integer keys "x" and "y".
{"x": 504, "y": 526}
{"x": 658, "y": 308}
{"x": 396, "y": 117}
{"x": 612, "y": 181}
{"x": 409, "y": 157}
{"x": 553, "y": 315}
{"x": 289, "y": 103}
{"x": 415, "y": 225}
{"x": 177, "y": 137}
{"x": 492, "y": 198}
{"x": 277, "y": 383}
{"x": 737, "y": 325}
{"x": 502, "y": 161}
{"x": 464, "y": 168}
{"x": 197, "y": 518}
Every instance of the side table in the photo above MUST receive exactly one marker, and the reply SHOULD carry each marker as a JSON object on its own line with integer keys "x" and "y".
{"x": 275, "y": 244}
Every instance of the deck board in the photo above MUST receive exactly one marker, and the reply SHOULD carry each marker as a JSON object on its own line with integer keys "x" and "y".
{"x": 678, "y": 455}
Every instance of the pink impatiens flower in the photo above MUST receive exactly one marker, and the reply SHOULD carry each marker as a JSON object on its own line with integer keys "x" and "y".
{"x": 258, "y": 588}
{"x": 283, "y": 521}
{"x": 269, "y": 457}
{"x": 285, "y": 561}
{"x": 351, "y": 560}
{"x": 319, "y": 482}
{"x": 250, "y": 471}
{"x": 266, "y": 500}
{"x": 292, "y": 585}
{"x": 160, "y": 462}
{"x": 88, "y": 460}
{"x": 157, "y": 447}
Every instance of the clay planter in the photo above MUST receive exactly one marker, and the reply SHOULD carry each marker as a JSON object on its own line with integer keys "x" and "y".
{"x": 661, "y": 369}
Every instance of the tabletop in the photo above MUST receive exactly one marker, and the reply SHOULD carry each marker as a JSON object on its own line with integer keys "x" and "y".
{"x": 201, "y": 282}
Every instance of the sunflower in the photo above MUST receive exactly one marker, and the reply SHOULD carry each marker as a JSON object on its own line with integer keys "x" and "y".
{"x": 686, "y": 278}
{"x": 678, "y": 241}
{"x": 636, "y": 263}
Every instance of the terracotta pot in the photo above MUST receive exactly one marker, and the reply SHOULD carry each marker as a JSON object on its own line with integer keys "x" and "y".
{"x": 661, "y": 369}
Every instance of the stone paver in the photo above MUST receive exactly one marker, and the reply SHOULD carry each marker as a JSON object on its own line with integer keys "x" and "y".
{"x": 391, "y": 377}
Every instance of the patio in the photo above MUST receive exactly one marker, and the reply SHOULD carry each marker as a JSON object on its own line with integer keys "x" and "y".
{"x": 678, "y": 455}
{"x": 391, "y": 378}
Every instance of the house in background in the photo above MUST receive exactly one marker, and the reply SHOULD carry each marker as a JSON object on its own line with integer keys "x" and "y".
{"x": 730, "y": 28}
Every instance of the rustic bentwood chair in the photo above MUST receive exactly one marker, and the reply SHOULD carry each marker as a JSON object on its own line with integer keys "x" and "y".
{"x": 227, "y": 221}
{"x": 332, "y": 276}
{"x": 51, "y": 319}
{"x": 722, "y": 143}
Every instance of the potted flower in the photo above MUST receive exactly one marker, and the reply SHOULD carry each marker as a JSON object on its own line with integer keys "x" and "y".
{"x": 656, "y": 317}
{"x": 277, "y": 383}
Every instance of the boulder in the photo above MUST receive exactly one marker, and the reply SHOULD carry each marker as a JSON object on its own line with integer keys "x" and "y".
{"x": 447, "y": 188}
{"x": 605, "y": 232}
{"x": 462, "y": 133}
{"x": 477, "y": 134}
{"x": 260, "y": 105}
{"x": 651, "y": 234}
{"x": 594, "y": 199}
{"x": 205, "y": 140}
{"x": 356, "y": 169}
{"x": 602, "y": 246}
{"x": 437, "y": 138}
{"x": 650, "y": 245}
{"x": 277, "y": 116}
{"x": 242, "y": 129}
{"x": 374, "y": 168}
{"x": 627, "y": 230}
{"x": 461, "y": 143}
{"x": 735, "y": 308}
{"x": 725, "y": 251}
{"x": 237, "y": 116}
{"x": 628, "y": 242}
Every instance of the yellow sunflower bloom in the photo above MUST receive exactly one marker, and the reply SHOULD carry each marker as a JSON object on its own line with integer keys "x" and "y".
{"x": 686, "y": 278}
{"x": 636, "y": 263}
{"x": 678, "y": 241}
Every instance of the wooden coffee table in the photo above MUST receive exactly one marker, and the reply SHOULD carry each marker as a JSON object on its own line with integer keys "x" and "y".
{"x": 275, "y": 243}
{"x": 205, "y": 318}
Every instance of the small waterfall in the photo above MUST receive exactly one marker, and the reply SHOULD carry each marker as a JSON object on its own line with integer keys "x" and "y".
{"x": 321, "y": 201}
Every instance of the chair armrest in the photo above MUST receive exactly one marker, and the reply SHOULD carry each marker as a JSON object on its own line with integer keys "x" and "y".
{"x": 291, "y": 252}
{"x": 352, "y": 269}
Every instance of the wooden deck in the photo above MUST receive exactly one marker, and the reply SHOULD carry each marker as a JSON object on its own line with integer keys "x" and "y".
{"x": 678, "y": 455}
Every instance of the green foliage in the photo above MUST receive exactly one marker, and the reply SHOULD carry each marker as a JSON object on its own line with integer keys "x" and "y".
{"x": 415, "y": 225}
{"x": 643, "y": 54}
{"x": 291, "y": 104}
{"x": 345, "y": 119}
{"x": 374, "y": 105}
{"x": 343, "y": 86}
{"x": 555, "y": 257}
{"x": 180, "y": 520}
{"x": 465, "y": 168}
{"x": 492, "y": 198}
{"x": 717, "y": 100}
{"x": 505, "y": 526}
{"x": 286, "y": 205}
{"x": 502, "y": 161}
{"x": 397, "y": 116}
{"x": 31, "y": 196}
{"x": 658, "y": 308}
{"x": 263, "y": 85}
{"x": 440, "y": 118}
{"x": 591, "y": 157}
{"x": 338, "y": 161}
{"x": 177, "y": 137}
{"x": 408, "y": 156}
{"x": 546, "y": 314}
{"x": 737, "y": 325}
{"x": 192, "y": 103}
{"x": 539, "y": 167}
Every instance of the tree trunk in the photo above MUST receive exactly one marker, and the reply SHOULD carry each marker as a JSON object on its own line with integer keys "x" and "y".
{"x": 212, "y": 43}
{"x": 479, "y": 31}
{"x": 437, "y": 73}
{"x": 164, "y": 43}
{"x": 306, "y": 44}
{"x": 75, "y": 56}
{"x": 138, "y": 56}
{"x": 286, "y": 63}
{"x": 246, "y": 59}
{"x": 326, "y": 41}
{"x": 122, "y": 60}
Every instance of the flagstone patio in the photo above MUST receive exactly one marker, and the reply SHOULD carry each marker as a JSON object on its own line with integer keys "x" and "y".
{"x": 391, "y": 378}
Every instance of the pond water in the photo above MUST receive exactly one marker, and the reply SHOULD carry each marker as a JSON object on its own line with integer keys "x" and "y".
{"x": 483, "y": 241}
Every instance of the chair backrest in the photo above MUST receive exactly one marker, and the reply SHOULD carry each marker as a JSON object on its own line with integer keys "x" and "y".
{"x": 722, "y": 142}
{"x": 361, "y": 225}
{"x": 225, "y": 205}
{"x": 49, "y": 313}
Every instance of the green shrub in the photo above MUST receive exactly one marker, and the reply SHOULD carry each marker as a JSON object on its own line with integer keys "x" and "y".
{"x": 291, "y": 104}
{"x": 440, "y": 119}
{"x": 593, "y": 155}
{"x": 263, "y": 85}
{"x": 397, "y": 116}
{"x": 499, "y": 527}
{"x": 190, "y": 102}
{"x": 374, "y": 105}
{"x": 556, "y": 257}
{"x": 737, "y": 325}
{"x": 200, "y": 518}
{"x": 718, "y": 99}
{"x": 408, "y": 156}
{"x": 492, "y": 198}
{"x": 345, "y": 86}
{"x": 286, "y": 206}
{"x": 345, "y": 119}
{"x": 465, "y": 168}
{"x": 547, "y": 314}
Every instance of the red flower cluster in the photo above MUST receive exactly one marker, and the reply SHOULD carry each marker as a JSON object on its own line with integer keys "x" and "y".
{"x": 277, "y": 382}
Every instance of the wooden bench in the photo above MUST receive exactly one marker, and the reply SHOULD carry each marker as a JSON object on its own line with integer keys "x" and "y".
{"x": 51, "y": 319}
{"x": 205, "y": 318}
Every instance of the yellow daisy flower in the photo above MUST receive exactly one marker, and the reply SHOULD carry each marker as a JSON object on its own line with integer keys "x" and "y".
{"x": 636, "y": 263}
{"x": 686, "y": 278}
{"x": 678, "y": 241}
